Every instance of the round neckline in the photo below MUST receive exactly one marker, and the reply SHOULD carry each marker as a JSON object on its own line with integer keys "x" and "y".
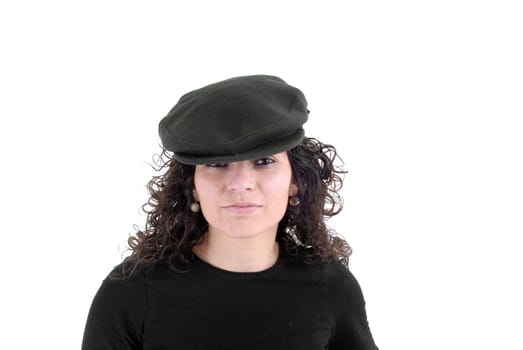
{"x": 240, "y": 274}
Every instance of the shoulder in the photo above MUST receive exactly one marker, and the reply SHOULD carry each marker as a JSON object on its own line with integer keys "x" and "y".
{"x": 118, "y": 312}
{"x": 340, "y": 286}
{"x": 123, "y": 275}
{"x": 131, "y": 287}
{"x": 127, "y": 297}
{"x": 118, "y": 290}
{"x": 331, "y": 271}
{"x": 343, "y": 286}
{"x": 346, "y": 300}
{"x": 339, "y": 274}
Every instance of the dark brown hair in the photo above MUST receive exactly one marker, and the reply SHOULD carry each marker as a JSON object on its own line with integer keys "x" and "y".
{"x": 172, "y": 229}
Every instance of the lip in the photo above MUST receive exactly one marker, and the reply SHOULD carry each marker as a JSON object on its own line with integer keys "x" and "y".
{"x": 242, "y": 207}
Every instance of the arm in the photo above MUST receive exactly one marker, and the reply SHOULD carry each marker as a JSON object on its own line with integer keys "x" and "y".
{"x": 351, "y": 329}
{"x": 117, "y": 315}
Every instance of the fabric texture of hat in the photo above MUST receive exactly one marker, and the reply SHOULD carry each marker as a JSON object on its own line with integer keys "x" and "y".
{"x": 236, "y": 119}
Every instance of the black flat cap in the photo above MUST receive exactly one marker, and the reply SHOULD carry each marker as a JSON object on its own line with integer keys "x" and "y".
{"x": 236, "y": 119}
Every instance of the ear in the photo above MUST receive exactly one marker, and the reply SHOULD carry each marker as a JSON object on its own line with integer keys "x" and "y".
{"x": 293, "y": 189}
{"x": 195, "y": 195}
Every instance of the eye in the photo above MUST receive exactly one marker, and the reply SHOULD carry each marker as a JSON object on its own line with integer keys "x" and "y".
{"x": 264, "y": 161}
{"x": 216, "y": 165}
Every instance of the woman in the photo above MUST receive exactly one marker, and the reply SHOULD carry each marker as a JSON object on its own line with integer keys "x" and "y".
{"x": 235, "y": 253}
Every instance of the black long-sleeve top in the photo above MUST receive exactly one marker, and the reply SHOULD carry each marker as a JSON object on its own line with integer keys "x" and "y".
{"x": 292, "y": 305}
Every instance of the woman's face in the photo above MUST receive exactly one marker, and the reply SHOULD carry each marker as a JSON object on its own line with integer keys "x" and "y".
{"x": 246, "y": 198}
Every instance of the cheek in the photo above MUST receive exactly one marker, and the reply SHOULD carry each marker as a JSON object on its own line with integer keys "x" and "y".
{"x": 202, "y": 187}
{"x": 279, "y": 200}
{"x": 207, "y": 193}
{"x": 202, "y": 191}
{"x": 280, "y": 190}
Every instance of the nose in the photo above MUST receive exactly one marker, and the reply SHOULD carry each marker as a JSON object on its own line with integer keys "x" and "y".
{"x": 241, "y": 177}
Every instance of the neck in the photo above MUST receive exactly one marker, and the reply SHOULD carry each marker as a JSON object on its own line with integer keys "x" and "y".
{"x": 252, "y": 254}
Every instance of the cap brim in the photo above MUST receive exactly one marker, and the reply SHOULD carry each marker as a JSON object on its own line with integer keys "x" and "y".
{"x": 273, "y": 147}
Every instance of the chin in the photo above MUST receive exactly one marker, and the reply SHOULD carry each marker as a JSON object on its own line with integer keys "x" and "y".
{"x": 248, "y": 230}
{"x": 243, "y": 234}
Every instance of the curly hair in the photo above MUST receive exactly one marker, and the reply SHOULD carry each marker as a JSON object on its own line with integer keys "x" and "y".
{"x": 172, "y": 229}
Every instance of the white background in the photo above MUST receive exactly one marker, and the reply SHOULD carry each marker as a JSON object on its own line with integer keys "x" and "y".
{"x": 423, "y": 100}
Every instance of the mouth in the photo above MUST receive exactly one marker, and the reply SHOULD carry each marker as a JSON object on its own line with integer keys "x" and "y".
{"x": 242, "y": 207}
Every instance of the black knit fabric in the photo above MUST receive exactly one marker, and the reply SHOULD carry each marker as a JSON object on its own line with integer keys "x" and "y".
{"x": 290, "y": 306}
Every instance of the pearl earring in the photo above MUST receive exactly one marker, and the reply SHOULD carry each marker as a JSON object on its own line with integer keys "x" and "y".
{"x": 195, "y": 207}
